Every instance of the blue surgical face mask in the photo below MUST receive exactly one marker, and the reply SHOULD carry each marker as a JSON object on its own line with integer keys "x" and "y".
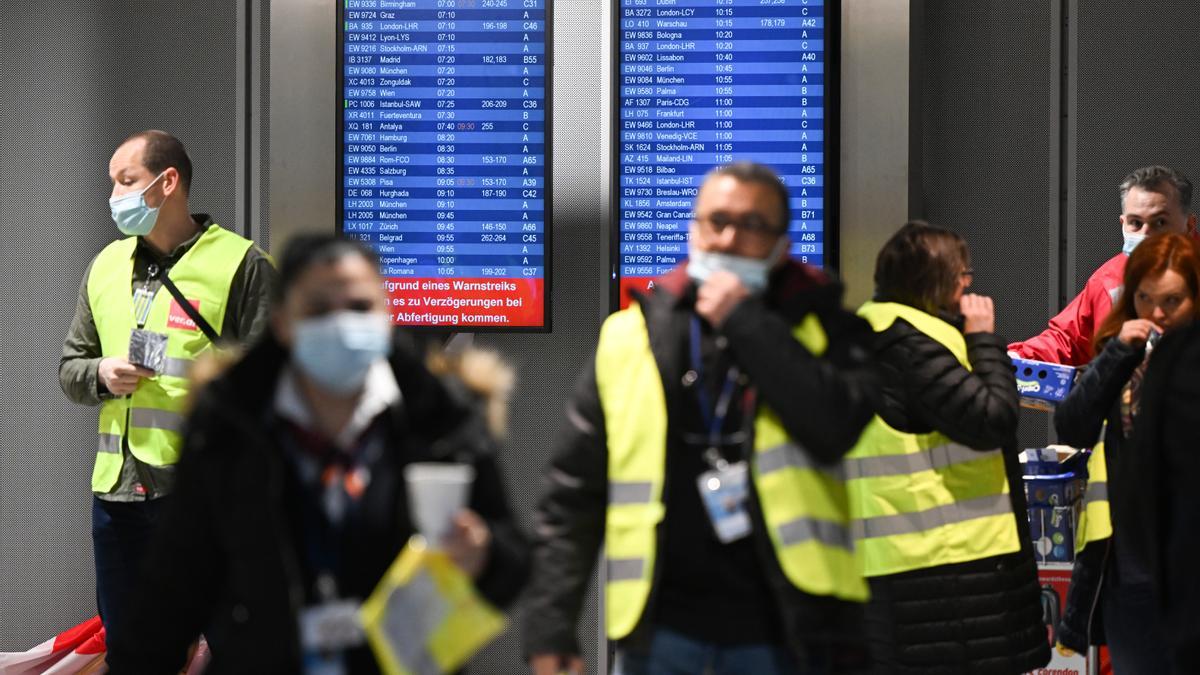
{"x": 134, "y": 218}
{"x": 1131, "y": 242}
{"x": 337, "y": 350}
{"x": 752, "y": 272}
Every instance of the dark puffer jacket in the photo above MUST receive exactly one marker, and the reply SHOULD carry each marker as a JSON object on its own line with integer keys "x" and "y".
{"x": 1095, "y": 399}
{"x": 1165, "y": 444}
{"x": 982, "y": 616}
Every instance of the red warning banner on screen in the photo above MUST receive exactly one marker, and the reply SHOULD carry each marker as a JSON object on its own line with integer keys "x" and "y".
{"x": 642, "y": 285}
{"x": 493, "y": 303}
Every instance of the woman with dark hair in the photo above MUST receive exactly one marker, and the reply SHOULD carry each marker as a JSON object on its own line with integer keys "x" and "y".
{"x": 935, "y": 486}
{"x": 1111, "y": 588}
{"x": 292, "y": 501}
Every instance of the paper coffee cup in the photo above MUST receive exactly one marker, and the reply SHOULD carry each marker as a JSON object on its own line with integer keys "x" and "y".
{"x": 436, "y": 493}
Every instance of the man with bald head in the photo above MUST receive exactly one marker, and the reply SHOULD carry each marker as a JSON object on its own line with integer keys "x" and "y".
{"x": 132, "y": 342}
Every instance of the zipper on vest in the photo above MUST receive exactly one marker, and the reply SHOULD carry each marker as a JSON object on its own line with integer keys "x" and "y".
{"x": 126, "y": 446}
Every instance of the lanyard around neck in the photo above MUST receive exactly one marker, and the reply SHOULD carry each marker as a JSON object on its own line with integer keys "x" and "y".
{"x": 712, "y": 416}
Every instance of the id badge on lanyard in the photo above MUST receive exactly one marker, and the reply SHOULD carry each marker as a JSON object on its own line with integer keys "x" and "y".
{"x": 725, "y": 488}
{"x": 329, "y": 628}
{"x": 146, "y": 348}
{"x": 725, "y": 491}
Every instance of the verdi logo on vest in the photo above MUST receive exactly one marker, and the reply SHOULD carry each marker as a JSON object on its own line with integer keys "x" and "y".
{"x": 179, "y": 318}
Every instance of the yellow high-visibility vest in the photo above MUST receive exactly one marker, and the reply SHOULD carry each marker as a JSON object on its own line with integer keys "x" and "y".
{"x": 151, "y": 419}
{"x": 1095, "y": 520}
{"x": 921, "y": 500}
{"x": 803, "y": 505}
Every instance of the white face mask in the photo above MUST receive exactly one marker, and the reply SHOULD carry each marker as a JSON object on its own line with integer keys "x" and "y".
{"x": 752, "y": 272}
{"x": 1131, "y": 242}
{"x": 337, "y": 350}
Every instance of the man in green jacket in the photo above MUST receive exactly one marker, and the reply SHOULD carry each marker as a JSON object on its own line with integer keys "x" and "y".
{"x": 131, "y": 344}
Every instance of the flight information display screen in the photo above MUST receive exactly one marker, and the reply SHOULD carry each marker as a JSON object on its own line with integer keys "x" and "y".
{"x": 444, "y": 109}
{"x": 701, "y": 83}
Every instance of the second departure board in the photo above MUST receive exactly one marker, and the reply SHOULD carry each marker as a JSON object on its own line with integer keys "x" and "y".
{"x": 701, "y": 83}
{"x": 444, "y": 110}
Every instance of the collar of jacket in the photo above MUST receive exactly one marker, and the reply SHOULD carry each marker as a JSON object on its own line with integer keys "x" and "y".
{"x": 428, "y": 409}
{"x": 203, "y": 221}
{"x": 955, "y": 319}
{"x": 952, "y": 317}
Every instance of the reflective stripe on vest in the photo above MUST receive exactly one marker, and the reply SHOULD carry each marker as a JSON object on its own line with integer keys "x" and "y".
{"x": 1095, "y": 520}
{"x": 921, "y": 500}
{"x": 151, "y": 419}
{"x": 804, "y": 506}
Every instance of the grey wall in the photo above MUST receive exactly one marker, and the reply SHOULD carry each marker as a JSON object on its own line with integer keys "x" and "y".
{"x": 78, "y": 77}
{"x": 874, "y": 143}
{"x": 1132, "y": 107}
{"x": 982, "y": 145}
{"x": 300, "y": 112}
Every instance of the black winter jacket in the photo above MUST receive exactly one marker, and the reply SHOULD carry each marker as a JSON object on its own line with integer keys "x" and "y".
{"x": 981, "y": 616}
{"x": 822, "y": 402}
{"x": 226, "y": 563}
{"x": 1166, "y": 439}
{"x": 1094, "y": 399}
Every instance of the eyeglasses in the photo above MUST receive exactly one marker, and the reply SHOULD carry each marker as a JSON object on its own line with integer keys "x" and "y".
{"x": 751, "y": 224}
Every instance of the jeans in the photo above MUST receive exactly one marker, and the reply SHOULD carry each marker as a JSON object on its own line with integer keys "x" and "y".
{"x": 121, "y": 535}
{"x": 673, "y": 653}
{"x": 1132, "y": 628}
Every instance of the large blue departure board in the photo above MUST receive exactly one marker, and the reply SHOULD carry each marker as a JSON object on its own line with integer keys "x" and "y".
{"x": 701, "y": 83}
{"x": 444, "y": 109}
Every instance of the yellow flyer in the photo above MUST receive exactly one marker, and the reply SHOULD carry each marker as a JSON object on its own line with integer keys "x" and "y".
{"x": 425, "y": 616}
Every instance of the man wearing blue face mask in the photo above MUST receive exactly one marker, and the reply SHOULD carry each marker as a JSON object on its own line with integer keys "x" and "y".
{"x": 132, "y": 342}
{"x": 699, "y": 448}
{"x": 1154, "y": 200}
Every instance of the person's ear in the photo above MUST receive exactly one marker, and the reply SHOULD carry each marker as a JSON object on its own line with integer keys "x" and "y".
{"x": 171, "y": 182}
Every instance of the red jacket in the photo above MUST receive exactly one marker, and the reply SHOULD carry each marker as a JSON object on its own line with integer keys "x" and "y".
{"x": 1068, "y": 339}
